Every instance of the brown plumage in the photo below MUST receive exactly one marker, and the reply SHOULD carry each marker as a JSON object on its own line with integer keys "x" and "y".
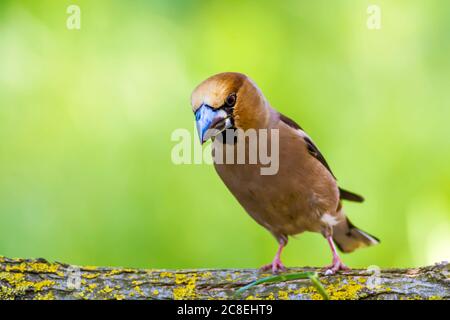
{"x": 303, "y": 195}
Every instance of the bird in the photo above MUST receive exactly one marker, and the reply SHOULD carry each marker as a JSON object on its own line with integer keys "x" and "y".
{"x": 302, "y": 196}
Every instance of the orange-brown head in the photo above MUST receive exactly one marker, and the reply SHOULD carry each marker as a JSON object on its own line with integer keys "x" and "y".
{"x": 228, "y": 100}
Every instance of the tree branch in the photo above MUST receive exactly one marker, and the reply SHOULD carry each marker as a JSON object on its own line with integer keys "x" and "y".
{"x": 39, "y": 279}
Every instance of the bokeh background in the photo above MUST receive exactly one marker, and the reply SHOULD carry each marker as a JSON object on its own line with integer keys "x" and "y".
{"x": 86, "y": 118}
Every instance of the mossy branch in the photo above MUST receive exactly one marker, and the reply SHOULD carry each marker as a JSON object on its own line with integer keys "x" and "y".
{"x": 39, "y": 279}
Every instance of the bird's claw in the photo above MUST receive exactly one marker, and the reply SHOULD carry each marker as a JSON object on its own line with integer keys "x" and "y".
{"x": 336, "y": 266}
{"x": 276, "y": 266}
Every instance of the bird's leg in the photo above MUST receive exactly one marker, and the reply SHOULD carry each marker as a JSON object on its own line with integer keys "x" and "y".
{"x": 337, "y": 262}
{"x": 276, "y": 264}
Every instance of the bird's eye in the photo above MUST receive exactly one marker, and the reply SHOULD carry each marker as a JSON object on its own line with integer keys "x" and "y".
{"x": 230, "y": 100}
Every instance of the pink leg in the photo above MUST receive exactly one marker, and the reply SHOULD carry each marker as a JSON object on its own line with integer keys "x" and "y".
{"x": 337, "y": 262}
{"x": 276, "y": 264}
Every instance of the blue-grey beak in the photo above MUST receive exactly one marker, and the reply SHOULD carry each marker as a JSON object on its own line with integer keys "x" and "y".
{"x": 210, "y": 122}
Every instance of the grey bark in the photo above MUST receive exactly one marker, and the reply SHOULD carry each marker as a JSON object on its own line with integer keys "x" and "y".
{"x": 38, "y": 279}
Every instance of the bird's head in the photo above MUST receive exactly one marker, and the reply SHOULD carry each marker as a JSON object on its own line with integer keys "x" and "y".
{"x": 225, "y": 101}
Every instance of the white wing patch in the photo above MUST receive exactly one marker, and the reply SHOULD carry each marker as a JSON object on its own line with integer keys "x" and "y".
{"x": 301, "y": 133}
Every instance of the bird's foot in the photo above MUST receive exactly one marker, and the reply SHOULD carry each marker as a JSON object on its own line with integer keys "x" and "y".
{"x": 336, "y": 266}
{"x": 276, "y": 266}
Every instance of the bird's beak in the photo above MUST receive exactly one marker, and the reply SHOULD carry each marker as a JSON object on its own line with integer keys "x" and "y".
{"x": 211, "y": 122}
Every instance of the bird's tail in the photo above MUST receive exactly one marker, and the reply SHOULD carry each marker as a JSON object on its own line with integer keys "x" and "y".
{"x": 348, "y": 237}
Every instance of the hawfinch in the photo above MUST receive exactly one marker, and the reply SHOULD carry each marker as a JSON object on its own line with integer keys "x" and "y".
{"x": 302, "y": 195}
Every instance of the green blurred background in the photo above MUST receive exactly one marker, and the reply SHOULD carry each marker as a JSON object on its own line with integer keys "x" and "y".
{"x": 86, "y": 118}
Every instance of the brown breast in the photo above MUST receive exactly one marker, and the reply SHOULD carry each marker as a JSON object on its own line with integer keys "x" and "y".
{"x": 294, "y": 199}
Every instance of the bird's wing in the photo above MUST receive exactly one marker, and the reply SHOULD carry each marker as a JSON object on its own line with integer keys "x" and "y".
{"x": 315, "y": 152}
{"x": 350, "y": 196}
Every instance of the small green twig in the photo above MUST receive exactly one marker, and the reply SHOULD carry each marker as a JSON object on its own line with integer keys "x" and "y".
{"x": 287, "y": 277}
